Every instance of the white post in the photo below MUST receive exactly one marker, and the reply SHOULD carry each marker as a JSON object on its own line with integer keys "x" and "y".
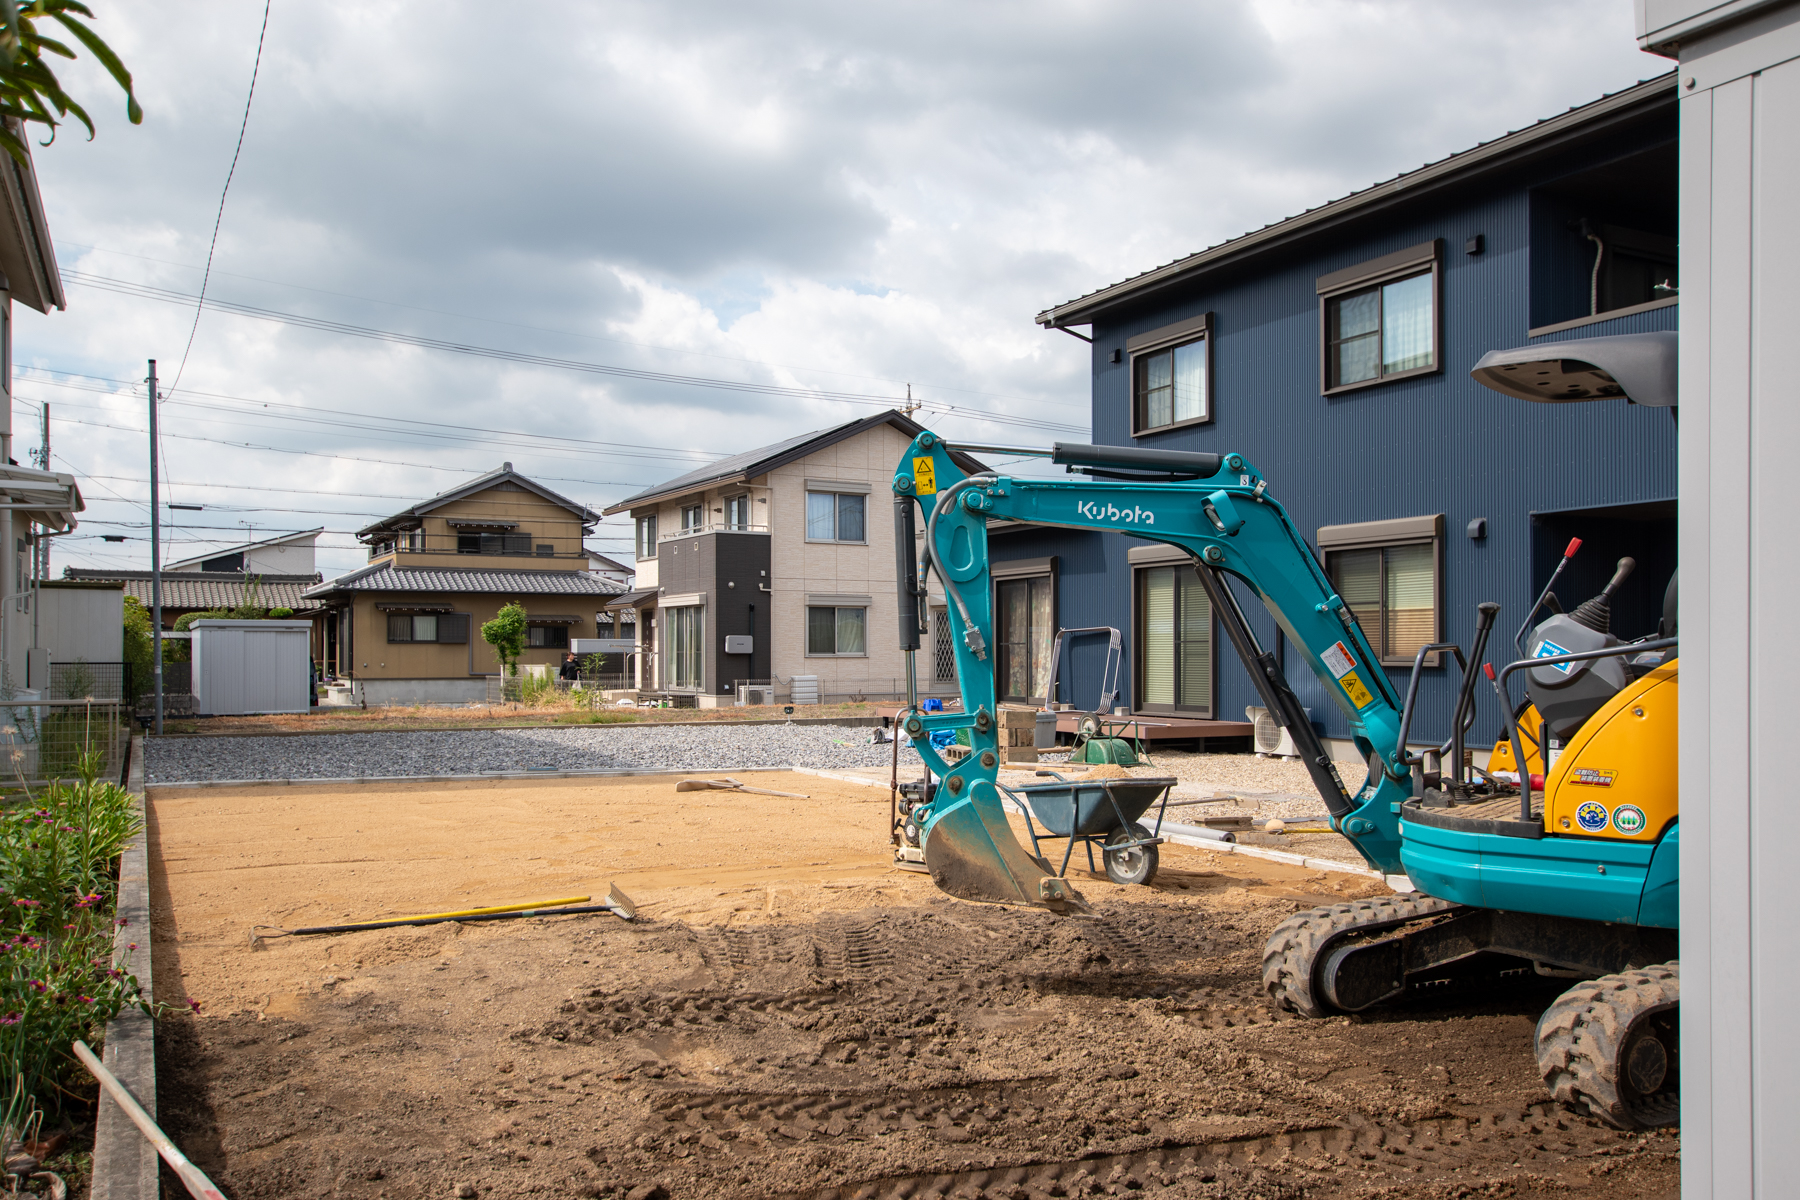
{"x": 1739, "y": 82}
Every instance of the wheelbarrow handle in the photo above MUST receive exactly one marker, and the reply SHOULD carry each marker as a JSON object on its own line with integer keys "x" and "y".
{"x": 1057, "y": 775}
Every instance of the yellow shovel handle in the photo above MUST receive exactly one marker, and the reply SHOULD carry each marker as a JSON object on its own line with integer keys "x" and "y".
{"x": 479, "y": 912}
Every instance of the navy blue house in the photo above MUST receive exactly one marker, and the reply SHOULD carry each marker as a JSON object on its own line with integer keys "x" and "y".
{"x": 1333, "y": 351}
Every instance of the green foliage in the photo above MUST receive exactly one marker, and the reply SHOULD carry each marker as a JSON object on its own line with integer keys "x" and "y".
{"x": 140, "y": 651}
{"x": 29, "y": 89}
{"x": 280, "y": 614}
{"x": 539, "y": 689}
{"x": 506, "y": 634}
{"x": 596, "y": 717}
{"x": 185, "y": 622}
{"x": 57, "y": 898}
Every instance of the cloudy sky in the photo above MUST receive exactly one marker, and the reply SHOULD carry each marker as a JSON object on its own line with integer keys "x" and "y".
{"x": 806, "y": 198}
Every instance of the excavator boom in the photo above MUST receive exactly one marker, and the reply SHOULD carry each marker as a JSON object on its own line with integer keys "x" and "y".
{"x": 1216, "y": 508}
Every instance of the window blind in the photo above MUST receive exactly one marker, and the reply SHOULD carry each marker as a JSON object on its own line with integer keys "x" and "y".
{"x": 1159, "y": 635}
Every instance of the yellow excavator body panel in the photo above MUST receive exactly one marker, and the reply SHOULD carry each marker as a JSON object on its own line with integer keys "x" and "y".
{"x": 1616, "y": 778}
{"x": 1530, "y": 726}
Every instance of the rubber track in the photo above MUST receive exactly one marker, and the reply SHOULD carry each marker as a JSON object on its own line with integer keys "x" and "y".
{"x": 1581, "y": 1038}
{"x": 1293, "y": 950}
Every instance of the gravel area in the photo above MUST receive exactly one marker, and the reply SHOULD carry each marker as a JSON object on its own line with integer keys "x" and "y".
{"x": 473, "y": 752}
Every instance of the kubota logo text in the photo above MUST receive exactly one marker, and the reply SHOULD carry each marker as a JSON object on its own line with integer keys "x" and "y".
{"x": 1106, "y": 512}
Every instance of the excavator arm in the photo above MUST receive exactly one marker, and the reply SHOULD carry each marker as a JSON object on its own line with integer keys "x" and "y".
{"x": 1217, "y": 509}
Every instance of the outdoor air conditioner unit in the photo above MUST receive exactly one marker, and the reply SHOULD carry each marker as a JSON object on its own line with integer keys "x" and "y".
{"x": 750, "y": 694}
{"x": 1271, "y": 739}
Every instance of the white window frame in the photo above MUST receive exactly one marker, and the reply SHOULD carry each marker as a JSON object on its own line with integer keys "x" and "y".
{"x": 836, "y": 517}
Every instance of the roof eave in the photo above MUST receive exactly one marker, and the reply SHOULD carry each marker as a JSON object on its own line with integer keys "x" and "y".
{"x": 643, "y": 498}
{"x": 1084, "y": 310}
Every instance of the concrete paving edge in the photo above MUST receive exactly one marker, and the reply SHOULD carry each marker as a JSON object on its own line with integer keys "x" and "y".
{"x": 490, "y": 776}
{"x": 125, "y": 1163}
{"x": 1174, "y": 833}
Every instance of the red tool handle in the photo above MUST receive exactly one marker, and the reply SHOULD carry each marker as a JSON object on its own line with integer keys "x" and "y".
{"x": 1574, "y": 545}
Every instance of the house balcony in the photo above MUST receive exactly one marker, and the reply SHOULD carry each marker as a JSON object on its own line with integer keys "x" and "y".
{"x": 710, "y": 527}
{"x": 481, "y": 546}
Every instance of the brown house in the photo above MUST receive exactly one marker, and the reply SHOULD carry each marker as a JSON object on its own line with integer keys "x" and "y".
{"x": 406, "y": 628}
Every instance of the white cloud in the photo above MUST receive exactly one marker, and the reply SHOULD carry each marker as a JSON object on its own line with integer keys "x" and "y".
{"x": 842, "y": 197}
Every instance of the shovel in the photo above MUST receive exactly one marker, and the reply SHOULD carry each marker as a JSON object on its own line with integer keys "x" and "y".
{"x": 731, "y": 785}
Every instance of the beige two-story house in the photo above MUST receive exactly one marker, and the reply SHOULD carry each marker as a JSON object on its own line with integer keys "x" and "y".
{"x": 406, "y": 628}
{"x": 776, "y": 563}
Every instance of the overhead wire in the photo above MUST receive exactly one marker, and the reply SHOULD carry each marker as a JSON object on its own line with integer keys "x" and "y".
{"x": 362, "y": 420}
{"x": 219, "y": 218}
{"x": 587, "y": 337}
{"x": 168, "y": 295}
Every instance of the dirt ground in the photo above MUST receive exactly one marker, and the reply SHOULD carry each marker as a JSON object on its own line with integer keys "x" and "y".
{"x": 790, "y": 1017}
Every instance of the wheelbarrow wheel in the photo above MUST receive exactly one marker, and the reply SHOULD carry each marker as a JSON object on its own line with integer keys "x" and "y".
{"x": 1129, "y": 864}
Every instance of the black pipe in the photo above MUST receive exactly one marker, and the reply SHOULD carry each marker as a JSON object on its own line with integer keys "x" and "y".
{"x": 1133, "y": 459}
{"x": 1464, "y": 713}
{"x": 906, "y": 570}
{"x": 1273, "y": 687}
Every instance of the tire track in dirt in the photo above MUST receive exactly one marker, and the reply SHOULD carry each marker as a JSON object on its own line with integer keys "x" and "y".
{"x": 1433, "y": 1146}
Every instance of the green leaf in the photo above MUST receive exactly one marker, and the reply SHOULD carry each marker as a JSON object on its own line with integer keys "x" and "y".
{"x": 104, "y": 53}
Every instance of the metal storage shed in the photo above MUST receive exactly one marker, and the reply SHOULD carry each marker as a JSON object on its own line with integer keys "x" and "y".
{"x": 251, "y": 667}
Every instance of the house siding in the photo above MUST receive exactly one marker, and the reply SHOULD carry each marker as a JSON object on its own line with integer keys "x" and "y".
{"x": 1437, "y": 443}
{"x": 792, "y": 568}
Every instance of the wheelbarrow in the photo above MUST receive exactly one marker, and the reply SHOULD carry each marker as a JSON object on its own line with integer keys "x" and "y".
{"x": 1098, "y": 810}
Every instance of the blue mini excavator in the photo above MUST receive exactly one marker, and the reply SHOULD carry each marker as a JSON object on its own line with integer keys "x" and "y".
{"x": 1571, "y": 874}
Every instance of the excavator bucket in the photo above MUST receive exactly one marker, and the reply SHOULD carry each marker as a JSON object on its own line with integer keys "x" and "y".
{"x": 971, "y": 852}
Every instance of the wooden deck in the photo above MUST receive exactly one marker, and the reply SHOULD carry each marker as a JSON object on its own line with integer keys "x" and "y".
{"x": 1156, "y": 728}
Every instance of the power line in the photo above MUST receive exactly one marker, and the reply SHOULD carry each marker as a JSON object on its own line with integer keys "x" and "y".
{"x": 167, "y": 295}
{"x": 382, "y": 462}
{"x": 587, "y": 337}
{"x": 408, "y": 430}
{"x": 219, "y": 219}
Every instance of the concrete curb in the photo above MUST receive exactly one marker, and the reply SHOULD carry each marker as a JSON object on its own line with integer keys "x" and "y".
{"x": 125, "y": 1163}
{"x": 488, "y": 776}
{"x": 846, "y": 722}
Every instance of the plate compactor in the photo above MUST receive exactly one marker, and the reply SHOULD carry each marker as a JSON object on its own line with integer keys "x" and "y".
{"x": 1564, "y": 866}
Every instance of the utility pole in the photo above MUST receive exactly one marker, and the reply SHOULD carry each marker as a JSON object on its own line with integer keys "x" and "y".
{"x": 44, "y": 555}
{"x": 156, "y": 639}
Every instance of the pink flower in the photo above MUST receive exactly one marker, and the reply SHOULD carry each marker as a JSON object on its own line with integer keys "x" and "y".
{"x": 11, "y": 1019}
{"x": 38, "y": 984}
{"x": 131, "y": 946}
{"x": 193, "y": 1004}
{"x": 29, "y": 903}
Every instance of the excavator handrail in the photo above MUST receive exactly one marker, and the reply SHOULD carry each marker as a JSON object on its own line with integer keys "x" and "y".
{"x": 1504, "y": 694}
{"x": 1406, "y": 713}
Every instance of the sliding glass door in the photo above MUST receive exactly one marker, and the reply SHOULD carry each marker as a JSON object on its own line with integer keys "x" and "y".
{"x": 1175, "y": 642}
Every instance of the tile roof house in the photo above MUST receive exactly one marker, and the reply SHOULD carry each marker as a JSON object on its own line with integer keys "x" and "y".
{"x": 203, "y": 591}
{"x": 774, "y": 563}
{"x": 406, "y": 627}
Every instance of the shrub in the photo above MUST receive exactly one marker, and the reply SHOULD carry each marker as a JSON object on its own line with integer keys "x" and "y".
{"x": 506, "y": 634}
{"x": 57, "y": 897}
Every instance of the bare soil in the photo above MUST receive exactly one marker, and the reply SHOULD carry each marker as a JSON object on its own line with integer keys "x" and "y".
{"x": 791, "y": 1017}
